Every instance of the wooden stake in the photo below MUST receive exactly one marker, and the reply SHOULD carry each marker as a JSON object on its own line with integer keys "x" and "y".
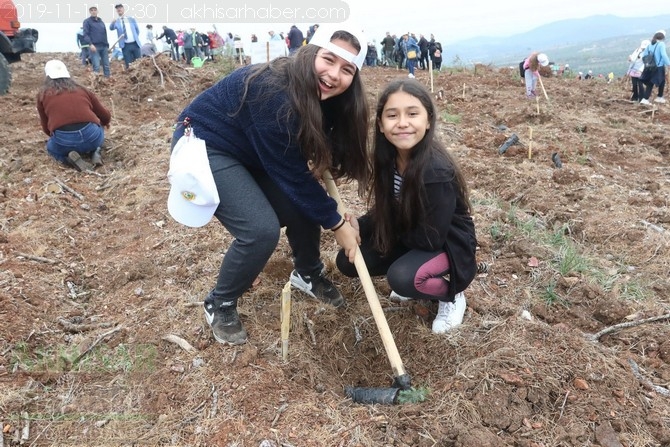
{"x": 430, "y": 69}
{"x": 464, "y": 91}
{"x": 537, "y": 103}
{"x": 285, "y": 319}
{"x": 543, "y": 90}
{"x": 530, "y": 143}
{"x": 267, "y": 51}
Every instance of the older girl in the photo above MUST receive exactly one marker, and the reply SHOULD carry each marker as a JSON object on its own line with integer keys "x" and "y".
{"x": 261, "y": 125}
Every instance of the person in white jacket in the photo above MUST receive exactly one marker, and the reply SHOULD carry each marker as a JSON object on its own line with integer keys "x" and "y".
{"x": 635, "y": 70}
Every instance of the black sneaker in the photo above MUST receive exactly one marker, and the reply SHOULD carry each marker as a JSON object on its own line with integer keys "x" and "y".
{"x": 225, "y": 323}
{"x": 318, "y": 287}
{"x": 77, "y": 162}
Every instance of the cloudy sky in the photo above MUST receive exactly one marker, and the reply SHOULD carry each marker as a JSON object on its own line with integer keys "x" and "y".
{"x": 449, "y": 21}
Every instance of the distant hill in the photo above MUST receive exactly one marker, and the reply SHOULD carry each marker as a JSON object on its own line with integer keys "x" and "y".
{"x": 600, "y": 43}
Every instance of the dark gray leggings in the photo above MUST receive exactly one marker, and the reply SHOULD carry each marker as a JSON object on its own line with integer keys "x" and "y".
{"x": 253, "y": 209}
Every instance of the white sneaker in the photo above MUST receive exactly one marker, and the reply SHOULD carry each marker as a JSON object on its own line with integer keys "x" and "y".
{"x": 410, "y": 76}
{"x": 395, "y": 297}
{"x": 660, "y": 100}
{"x": 645, "y": 102}
{"x": 449, "y": 315}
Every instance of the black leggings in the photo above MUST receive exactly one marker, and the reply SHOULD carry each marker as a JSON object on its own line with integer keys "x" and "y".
{"x": 410, "y": 273}
{"x": 659, "y": 77}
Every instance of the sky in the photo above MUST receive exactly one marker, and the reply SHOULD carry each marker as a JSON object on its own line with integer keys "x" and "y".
{"x": 450, "y": 21}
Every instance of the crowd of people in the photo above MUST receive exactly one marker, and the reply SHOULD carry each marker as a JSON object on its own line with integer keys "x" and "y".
{"x": 406, "y": 51}
{"x": 133, "y": 43}
{"x": 647, "y": 69}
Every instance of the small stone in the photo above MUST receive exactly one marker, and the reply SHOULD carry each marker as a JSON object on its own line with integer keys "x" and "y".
{"x": 580, "y": 384}
{"x": 198, "y": 362}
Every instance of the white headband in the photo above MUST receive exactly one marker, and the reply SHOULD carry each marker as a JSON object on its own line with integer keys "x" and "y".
{"x": 323, "y": 35}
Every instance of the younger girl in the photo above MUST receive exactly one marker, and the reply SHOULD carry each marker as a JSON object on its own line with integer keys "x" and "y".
{"x": 418, "y": 232}
{"x": 531, "y": 65}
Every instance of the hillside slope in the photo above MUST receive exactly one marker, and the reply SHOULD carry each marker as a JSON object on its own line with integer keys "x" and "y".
{"x": 94, "y": 274}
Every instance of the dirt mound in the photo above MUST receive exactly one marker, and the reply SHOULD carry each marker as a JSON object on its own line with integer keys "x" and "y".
{"x": 95, "y": 276}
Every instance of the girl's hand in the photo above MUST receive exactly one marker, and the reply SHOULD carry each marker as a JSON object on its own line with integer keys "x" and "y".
{"x": 352, "y": 221}
{"x": 348, "y": 238}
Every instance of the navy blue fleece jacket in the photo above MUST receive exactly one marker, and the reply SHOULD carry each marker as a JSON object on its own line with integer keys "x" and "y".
{"x": 259, "y": 135}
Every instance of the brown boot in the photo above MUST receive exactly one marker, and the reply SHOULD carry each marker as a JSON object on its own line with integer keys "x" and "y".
{"x": 78, "y": 163}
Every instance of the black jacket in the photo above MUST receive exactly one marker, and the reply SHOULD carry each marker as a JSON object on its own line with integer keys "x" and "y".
{"x": 95, "y": 31}
{"x": 169, "y": 34}
{"x": 448, "y": 225}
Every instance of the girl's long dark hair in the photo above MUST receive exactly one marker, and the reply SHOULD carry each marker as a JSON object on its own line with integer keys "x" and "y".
{"x": 332, "y": 133}
{"x": 657, "y": 36}
{"x": 57, "y": 86}
{"x": 392, "y": 216}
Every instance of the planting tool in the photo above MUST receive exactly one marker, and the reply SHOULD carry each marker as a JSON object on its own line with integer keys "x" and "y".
{"x": 543, "y": 90}
{"x": 512, "y": 140}
{"x": 401, "y": 380}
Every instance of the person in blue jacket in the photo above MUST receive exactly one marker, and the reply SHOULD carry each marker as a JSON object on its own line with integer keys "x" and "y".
{"x": 419, "y": 231}
{"x": 129, "y": 35}
{"x": 271, "y": 132}
{"x": 412, "y": 49}
{"x": 655, "y": 77}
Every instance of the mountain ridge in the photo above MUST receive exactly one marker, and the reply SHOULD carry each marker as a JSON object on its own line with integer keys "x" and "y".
{"x": 600, "y": 43}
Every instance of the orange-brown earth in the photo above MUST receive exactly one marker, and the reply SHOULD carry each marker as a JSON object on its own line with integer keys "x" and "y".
{"x": 94, "y": 274}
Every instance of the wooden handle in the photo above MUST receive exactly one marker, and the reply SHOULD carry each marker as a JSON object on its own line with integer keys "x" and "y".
{"x": 369, "y": 289}
{"x": 285, "y": 318}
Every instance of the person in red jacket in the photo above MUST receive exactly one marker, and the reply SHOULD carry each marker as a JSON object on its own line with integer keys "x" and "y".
{"x": 72, "y": 116}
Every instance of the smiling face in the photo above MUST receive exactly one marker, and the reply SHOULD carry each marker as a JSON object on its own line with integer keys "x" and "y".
{"x": 334, "y": 73}
{"x": 404, "y": 121}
